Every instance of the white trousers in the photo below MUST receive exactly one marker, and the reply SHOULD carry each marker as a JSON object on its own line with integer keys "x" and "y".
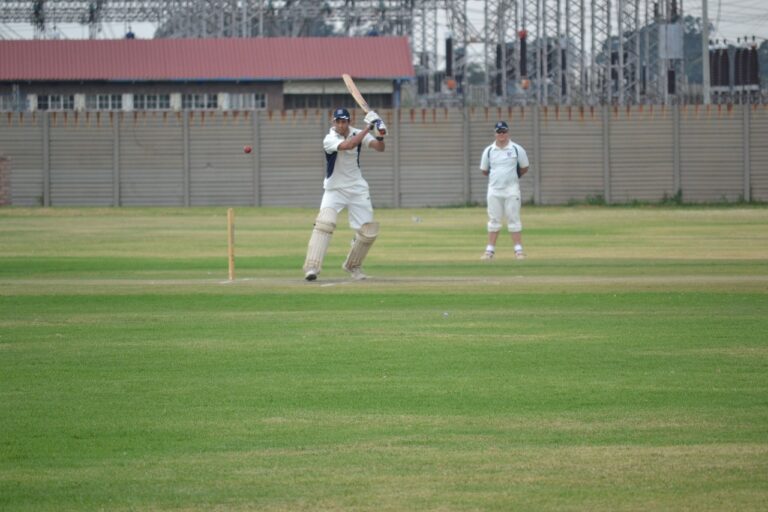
{"x": 501, "y": 207}
{"x": 358, "y": 204}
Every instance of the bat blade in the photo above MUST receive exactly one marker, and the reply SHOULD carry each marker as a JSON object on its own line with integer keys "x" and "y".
{"x": 355, "y": 92}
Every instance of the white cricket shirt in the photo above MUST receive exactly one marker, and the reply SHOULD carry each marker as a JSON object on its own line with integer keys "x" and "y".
{"x": 343, "y": 167}
{"x": 502, "y": 163}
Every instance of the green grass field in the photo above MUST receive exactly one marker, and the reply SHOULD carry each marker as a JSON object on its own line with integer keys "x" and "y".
{"x": 622, "y": 366}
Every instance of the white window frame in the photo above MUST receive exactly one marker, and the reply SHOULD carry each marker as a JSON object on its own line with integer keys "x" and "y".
{"x": 104, "y": 102}
{"x": 151, "y": 101}
{"x": 56, "y": 102}
{"x": 199, "y": 101}
{"x": 248, "y": 101}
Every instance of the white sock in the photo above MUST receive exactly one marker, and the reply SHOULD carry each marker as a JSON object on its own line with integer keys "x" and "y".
{"x": 518, "y": 248}
{"x": 490, "y": 248}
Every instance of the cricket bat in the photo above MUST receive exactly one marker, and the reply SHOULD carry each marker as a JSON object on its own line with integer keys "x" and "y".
{"x": 355, "y": 92}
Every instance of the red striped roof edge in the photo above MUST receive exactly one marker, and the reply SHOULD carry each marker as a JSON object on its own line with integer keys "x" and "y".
{"x": 247, "y": 59}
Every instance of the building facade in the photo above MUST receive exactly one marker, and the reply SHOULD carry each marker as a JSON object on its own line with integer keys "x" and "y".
{"x": 200, "y": 74}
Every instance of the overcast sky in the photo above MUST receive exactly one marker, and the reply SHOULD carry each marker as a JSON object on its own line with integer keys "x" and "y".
{"x": 734, "y": 18}
{"x": 731, "y": 18}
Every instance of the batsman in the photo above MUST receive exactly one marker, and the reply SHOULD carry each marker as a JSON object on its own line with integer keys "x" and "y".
{"x": 345, "y": 187}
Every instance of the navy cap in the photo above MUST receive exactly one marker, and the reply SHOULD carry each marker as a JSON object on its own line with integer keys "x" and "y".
{"x": 502, "y": 125}
{"x": 341, "y": 113}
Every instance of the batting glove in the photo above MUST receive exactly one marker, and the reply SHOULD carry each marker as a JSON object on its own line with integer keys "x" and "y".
{"x": 371, "y": 118}
{"x": 379, "y": 129}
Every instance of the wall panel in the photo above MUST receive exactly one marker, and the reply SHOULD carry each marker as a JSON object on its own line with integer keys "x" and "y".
{"x": 571, "y": 155}
{"x": 21, "y": 140}
{"x": 221, "y": 173}
{"x": 432, "y": 163}
{"x": 152, "y": 160}
{"x": 291, "y": 157}
{"x": 758, "y": 135}
{"x": 711, "y": 153}
{"x": 82, "y": 161}
{"x": 642, "y": 155}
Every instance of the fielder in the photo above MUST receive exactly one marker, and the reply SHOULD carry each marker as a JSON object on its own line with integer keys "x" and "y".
{"x": 345, "y": 188}
{"x": 504, "y": 162}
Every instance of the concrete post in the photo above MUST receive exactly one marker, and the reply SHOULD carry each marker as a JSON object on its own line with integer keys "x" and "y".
{"x": 116, "y": 159}
{"x": 607, "y": 154}
{"x": 745, "y": 134}
{"x": 5, "y": 181}
{"x": 398, "y": 122}
{"x": 187, "y": 164}
{"x": 46, "y": 120}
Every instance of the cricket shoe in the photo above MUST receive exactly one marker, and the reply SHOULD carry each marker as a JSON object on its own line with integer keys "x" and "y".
{"x": 310, "y": 275}
{"x": 355, "y": 273}
{"x": 487, "y": 256}
{"x": 519, "y": 255}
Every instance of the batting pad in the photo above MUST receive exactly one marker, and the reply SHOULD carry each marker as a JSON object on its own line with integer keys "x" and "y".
{"x": 363, "y": 241}
{"x": 325, "y": 224}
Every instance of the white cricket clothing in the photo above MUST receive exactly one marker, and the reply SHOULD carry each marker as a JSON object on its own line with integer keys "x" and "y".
{"x": 503, "y": 162}
{"x": 358, "y": 204}
{"x": 344, "y": 184}
{"x": 343, "y": 167}
{"x": 500, "y": 207}
{"x": 503, "y": 185}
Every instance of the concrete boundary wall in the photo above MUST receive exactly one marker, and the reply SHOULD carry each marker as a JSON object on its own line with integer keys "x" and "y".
{"x": 5, "y": 182}
{"x": 578, "y": 154}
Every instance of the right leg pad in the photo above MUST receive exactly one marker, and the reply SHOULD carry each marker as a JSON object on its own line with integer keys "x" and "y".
{"x": 325, "y": 224}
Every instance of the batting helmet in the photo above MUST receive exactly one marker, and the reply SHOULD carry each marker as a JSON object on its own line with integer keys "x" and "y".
{"x": 341, "y": 113}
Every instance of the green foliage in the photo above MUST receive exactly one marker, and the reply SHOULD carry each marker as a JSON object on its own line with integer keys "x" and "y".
{"x": 591, "y": 200}
{"x": 622, "y": 366}
{"x": 676, "y": 199}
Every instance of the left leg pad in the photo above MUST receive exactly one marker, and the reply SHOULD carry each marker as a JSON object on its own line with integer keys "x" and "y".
{"x": 364, "y": 239}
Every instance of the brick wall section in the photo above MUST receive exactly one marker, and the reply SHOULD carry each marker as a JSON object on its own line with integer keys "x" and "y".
{"x": 5, "y": 181}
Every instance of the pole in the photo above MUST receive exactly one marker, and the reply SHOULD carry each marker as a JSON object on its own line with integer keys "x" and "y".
{"x": 705, "y": 53}
{"x": 231, "y": 242}
{"x": 488, "y": 87}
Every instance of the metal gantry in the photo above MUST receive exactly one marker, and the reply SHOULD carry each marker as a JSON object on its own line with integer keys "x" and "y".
{"x": 502, "y": 33}
{"x": 552, "y": 42}
{"x": 533, "y": 51}
{"x": 600, "y": 64}
{"x": 534, "y": 73}
{"x": 629, "y": 52}
{"x": 574, "y": 52}
{"x": 424, "y": 44}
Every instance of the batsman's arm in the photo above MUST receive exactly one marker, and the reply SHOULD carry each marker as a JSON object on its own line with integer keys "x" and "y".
{"x": 377, "y": 144}
{"x": 355, "y": 140}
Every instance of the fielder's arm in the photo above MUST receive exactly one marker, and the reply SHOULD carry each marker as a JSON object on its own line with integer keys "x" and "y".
{"x": 521, "y": 171}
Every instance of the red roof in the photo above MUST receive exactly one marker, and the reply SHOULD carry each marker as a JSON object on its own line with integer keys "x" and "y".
{"x": 277, "y": 58}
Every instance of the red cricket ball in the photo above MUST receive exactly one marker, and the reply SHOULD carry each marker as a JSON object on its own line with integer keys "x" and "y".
{"x": 247, "y": 149}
